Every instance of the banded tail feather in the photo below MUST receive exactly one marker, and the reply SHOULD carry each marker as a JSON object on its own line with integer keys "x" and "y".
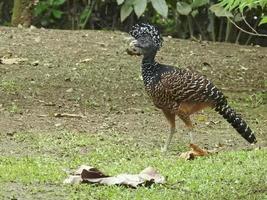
{"x": 236, "y": 121}
{"x": 222, "y": 107}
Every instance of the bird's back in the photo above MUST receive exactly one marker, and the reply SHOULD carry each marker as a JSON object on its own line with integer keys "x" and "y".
{"x": 172, "y": 86}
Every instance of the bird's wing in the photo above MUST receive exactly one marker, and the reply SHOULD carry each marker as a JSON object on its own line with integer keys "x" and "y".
{"x": 183, "y": 85}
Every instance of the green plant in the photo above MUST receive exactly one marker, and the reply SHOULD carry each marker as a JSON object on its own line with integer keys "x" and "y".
{"x": 190, "y": 9}
{"x": 257, "y": 99}
{"x": 49, "y": 11}
{"x": 139, "y": 7}
{"x": 14, "y": 109}
{"x": 86, "y": 14}
{"x": 9, "y": 86}
{"x": 243, "y": 5}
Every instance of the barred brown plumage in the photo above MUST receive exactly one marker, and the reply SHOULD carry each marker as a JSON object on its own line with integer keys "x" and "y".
{"x": 178, "y": 91}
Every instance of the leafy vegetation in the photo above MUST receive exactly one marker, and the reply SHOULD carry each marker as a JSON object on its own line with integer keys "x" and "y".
{"x": 197, "y": 19}
{"x": 243, "y": 5}
{"x": 49, "y": 11}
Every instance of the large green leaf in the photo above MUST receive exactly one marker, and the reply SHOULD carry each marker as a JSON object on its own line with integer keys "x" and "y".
{"x": 263, "y": 20}
{"x": 199, "y": 3}
{"x": 183, "y": 8}
{"x": 242, "y": 6}
{"x": 219, "y": 11}
{"x": 161, "y": 7}
{"x": 139, "y": 7}
{"x": 119, "y": 2}
{"x": 84, "y": 14}
{"x": 57, "y": 13}
{"x": 40, "y": 8}
{"x": 234, "y": 5}
{"x": 194, "y": 12}
{"x": 263, "y": 3}
{"x": 58, "y": 2}
{"x": 126, "y": 10}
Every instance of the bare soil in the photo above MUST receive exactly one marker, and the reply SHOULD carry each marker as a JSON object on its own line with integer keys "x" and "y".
{"x": 88, "y": 73}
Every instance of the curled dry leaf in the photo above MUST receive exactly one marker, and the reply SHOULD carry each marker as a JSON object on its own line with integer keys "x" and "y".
{"x": 87, "y": 174}
{"x": 194, "y": 152}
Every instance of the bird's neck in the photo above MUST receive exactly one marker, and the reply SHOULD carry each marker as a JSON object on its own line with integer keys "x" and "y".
{"x": 149, "y": 67}
{"x": 149, "y": 58}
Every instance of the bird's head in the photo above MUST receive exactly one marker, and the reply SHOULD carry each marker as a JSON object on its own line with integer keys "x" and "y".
{"x": 147, "y": 39}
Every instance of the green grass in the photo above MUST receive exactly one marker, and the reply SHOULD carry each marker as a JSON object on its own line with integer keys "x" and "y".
{"x": 9, "y": 86}
{"x": 34, "y": 167}
{"x": 124, "y": 132}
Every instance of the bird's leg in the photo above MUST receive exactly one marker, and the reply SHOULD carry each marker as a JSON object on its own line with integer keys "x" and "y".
{"x": 191, "y": 136}
{"x": 186, "y": 109}
{"x": 171, "y": 119}
{"x": 186, "y": 119}
{"x": 168, "y": 141}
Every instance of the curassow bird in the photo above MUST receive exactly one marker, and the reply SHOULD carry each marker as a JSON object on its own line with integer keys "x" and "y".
{"x": 178, "y": 91}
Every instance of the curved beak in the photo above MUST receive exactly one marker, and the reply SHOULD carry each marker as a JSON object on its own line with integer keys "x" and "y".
{"x": 134, "y": 48}
{"x": 134, "y": 43}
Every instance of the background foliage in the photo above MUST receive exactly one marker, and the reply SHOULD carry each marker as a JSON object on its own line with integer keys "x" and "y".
{"x": 196, "y": 19}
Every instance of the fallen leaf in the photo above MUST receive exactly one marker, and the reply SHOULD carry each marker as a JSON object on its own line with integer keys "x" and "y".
{"x": 58, "y": 124}
{"x": 35, "y": 63}
{"x": 69, "y": 90}
{"x": 88, "y": 174}
{"x": 86, "y": 60}
{"x": 194, "y": 152}
{"x": 150, "y": 173}
{"x": 11, "y": 61}
{"x": 68, "y": 115}
{"x": 73, "y": 180}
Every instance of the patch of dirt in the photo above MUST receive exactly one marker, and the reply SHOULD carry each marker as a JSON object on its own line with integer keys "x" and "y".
{"x": 89, "y": 73}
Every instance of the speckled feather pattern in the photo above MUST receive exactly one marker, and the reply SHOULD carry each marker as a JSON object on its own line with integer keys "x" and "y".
{"x": 169, "y": 86}
{"x": 140, "y": 30}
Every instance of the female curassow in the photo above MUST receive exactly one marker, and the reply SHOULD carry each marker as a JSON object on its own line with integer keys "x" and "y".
{"x": 178, "y": 91}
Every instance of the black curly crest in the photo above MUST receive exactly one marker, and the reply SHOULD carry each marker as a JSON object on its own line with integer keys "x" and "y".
{"x": 142, "y": 29}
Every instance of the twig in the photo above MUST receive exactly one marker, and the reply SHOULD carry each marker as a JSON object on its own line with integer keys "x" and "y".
{"x": 190, "y": 26}
{"x": 244, "y": 19}
{"x": 228, "y": 31}
{"x": 68, "y": 115}
{"x": 250, "y": 33}
{"x": 42, "y": 115}
{"x": 220, "y": 30}
{"x": 238, "y": 36}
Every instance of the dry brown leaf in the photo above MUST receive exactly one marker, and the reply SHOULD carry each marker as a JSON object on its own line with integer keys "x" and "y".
{"x": 11, "y": 61}
{"x": 87, "y": 174}
{"x": 194, "y": 152}
{"x": 198, "y": 151}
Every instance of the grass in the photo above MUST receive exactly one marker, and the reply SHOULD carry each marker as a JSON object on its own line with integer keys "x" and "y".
{"x": 123, "y": 130}
{"x": 38, "y": 161}
{"x": 9, "y": 86}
